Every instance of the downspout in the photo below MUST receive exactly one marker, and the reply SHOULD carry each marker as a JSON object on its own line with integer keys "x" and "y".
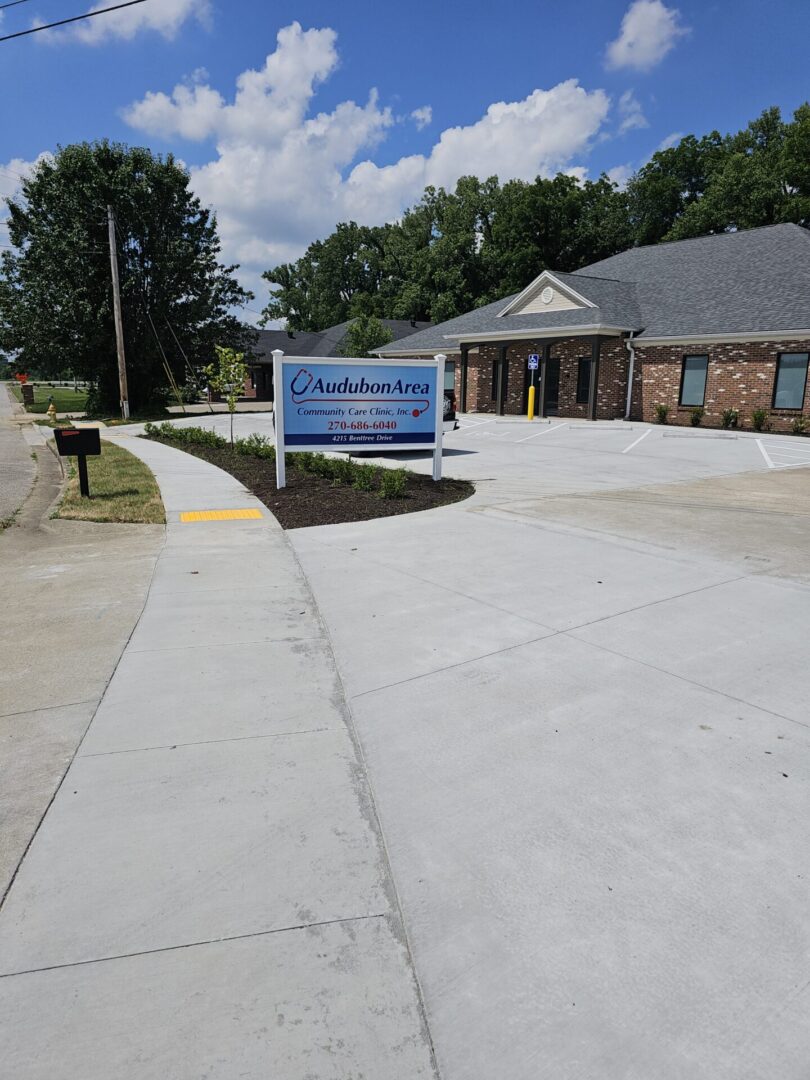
{"x": 628, "y": 344}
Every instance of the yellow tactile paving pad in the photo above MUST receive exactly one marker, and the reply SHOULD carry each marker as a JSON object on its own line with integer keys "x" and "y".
{"x": 220, "y": 515}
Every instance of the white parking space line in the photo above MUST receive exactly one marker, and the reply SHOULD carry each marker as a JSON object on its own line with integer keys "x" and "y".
{"x": 779, "y": 456}
{"x": 627, "y": 449}
{"x": 788, "y": 451}
{"x": 475, "y": 423}
{"x": 765, "y": 455}
{"x": 538, "y": 433}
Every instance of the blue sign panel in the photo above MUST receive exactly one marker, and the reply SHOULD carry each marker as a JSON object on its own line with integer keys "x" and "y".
{"x": 534, "y": 361}
{"x": 342, "y": 405}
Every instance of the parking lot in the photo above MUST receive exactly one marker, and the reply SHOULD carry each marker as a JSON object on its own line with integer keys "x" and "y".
{"x": 582, "y": 697}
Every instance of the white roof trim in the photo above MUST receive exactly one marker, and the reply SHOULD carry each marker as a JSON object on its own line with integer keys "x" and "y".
{"x": 416, "y": 353}
{"x": 715, "y": 339}
{"x": 534, "y": 287}
{"x": 556, "y": 332}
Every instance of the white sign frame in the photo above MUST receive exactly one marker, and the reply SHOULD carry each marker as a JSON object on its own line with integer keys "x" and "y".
{"x": 280, "y": 358}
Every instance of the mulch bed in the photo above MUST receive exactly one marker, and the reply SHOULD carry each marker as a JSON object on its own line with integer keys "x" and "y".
{"x": 313, "y": 500}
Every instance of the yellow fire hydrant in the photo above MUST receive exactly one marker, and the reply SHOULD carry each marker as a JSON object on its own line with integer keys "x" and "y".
{"x": 52, "y": 412}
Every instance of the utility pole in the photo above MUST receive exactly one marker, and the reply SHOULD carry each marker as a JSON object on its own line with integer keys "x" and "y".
{"x": 119, "y": 324}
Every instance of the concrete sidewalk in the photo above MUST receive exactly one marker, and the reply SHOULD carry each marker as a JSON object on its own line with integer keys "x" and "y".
{"x": 209, "y": 893}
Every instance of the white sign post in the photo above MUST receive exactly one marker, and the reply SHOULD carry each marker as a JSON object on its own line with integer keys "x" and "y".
{"x": 321, "y": 403}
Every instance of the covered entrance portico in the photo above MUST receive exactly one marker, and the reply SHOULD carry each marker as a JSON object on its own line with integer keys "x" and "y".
{"x": 571, "y": 379}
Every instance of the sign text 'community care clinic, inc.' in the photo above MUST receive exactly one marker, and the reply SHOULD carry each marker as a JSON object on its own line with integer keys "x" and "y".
{"x": 351, "y": 405}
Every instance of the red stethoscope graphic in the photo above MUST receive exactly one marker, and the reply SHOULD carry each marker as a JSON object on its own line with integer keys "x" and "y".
{"x": 303, "y": 379}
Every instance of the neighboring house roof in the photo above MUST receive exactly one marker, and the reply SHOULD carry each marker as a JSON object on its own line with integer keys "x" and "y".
{"x": 324, "y": 342}
{"x": 756, "y": 281}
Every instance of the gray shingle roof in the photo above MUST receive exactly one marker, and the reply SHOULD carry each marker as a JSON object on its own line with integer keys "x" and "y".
{"x": 757, "y": 280}
{"x": 324, "y": 342}
{"x": 753, "y": 281}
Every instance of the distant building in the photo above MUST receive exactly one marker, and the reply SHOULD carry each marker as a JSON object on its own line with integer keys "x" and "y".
{"x": 299, "y": 343}
{"x": 718, "y": 322}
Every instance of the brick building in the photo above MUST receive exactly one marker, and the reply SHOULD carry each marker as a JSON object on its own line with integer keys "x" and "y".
{"x": 719, "y": 322}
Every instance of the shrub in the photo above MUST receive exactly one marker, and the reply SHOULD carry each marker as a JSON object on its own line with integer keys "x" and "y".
{"x": 366, "y": 477}
{"x": 189, "y": 394}
{"x": 696, "y": 415}
{"x": 305, "y": 462}
{"x": 759, "y": 419}
{"x": 197, "y": 435}
{"x": 729, "y": 418}
{"x": 342, "y": 470}
{"x": 393, "y": 484}
{"x": 255, "y": 445}
{"x": 661, "y": 413}
{"x": 799, "y": 425}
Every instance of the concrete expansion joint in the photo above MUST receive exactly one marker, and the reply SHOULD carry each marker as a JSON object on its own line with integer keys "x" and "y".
{"x": 689, "y": 682}
{"x": 207, "y": 742}
{"x": 390, "y": 882}
{"x": 199, "y": 944}
{"x": 47, "y": 708}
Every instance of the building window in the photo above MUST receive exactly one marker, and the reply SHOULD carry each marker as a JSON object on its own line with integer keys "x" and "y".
{"x": 584, "y": 382}
{"x": 449, "y": 374}
{"x": 693, "y": 380}
{"x": 494, "y": 379}
{"x": 791, "y": 377}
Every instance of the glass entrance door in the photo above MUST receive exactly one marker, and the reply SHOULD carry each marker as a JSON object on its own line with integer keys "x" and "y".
{"x": 552, "y": 395}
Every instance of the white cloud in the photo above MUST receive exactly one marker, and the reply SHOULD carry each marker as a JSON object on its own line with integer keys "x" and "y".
{"x": 620, "y": 174}
{"x": 631, "y": 113}
{"x": 284, "y": 175}
{"x": 648, "y": 32}
{"x": 670, "y": 140}
{"x": 422, "y": 116}
{"x": 165, "y": 17}
{"x": 11, "y": 176}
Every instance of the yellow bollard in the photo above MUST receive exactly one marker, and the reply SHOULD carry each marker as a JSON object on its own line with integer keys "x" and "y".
{"x": 531, "y": 403}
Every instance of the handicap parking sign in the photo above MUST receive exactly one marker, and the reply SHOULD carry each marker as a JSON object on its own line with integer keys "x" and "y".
{"x": 534, "y": 361}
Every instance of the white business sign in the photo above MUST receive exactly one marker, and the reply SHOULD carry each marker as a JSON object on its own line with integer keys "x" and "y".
{"x": 327, "y": 404}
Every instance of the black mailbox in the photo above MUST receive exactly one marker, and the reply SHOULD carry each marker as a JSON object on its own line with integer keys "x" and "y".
{"x": 78, "y": 442}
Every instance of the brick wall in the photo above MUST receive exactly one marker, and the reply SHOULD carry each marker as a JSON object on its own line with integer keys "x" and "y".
{"x": 740, "y": 376}
{"x": 611, "y": 389}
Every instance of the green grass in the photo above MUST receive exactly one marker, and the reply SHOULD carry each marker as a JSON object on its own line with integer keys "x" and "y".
{"x": 65, "y": 398}
{"x": 122, "y": 489}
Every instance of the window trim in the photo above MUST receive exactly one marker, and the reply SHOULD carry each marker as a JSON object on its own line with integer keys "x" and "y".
{"x": 786, "y": 408}
{"x": 684, "y": 358}
{"x": 580, "y": 361}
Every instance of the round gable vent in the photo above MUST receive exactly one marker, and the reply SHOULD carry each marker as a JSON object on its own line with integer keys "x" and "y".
{"x": 547, "y": 295}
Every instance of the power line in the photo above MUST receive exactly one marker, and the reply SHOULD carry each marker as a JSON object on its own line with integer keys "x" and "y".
{"x": 75, "y": 18}
{"x": 11, "y": 173}
{"x": 13, "y": 3}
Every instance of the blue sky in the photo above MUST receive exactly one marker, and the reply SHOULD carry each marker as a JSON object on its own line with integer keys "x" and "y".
{"x": 363, "y": 103}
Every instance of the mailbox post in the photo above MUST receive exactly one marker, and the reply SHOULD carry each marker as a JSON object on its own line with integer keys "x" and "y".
{"x": 79, "y": 443}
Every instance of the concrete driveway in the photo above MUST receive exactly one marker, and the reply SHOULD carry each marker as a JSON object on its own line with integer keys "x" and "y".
{"x": 583, "y": 698}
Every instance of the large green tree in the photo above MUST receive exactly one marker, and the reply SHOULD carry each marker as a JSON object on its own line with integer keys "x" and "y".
{"x": 364, "y": 334}
{"x": 456, "y": 250}
{"x": 451, "y": 251}
{"x": 56, "y": 308}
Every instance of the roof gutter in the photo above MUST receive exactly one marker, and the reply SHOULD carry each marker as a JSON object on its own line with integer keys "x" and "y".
{"x": 737, "y": 336}
{"x": 556, "y": 332}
